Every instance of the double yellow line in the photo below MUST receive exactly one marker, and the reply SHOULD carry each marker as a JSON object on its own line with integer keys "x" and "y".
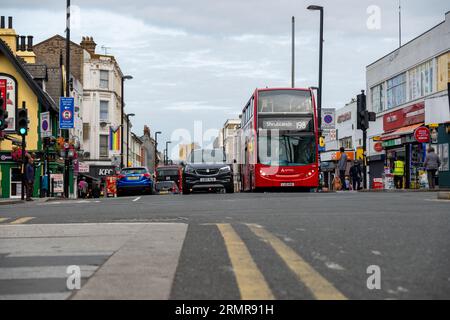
{"x": 17, "y": 221}
{"x": 250, "y": 280}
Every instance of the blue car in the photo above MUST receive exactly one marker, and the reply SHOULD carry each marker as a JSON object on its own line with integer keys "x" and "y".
{"x": 134, "y": 180}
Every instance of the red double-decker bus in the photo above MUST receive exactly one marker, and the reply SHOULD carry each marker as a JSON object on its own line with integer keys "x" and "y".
{"x": 279, "y": 140}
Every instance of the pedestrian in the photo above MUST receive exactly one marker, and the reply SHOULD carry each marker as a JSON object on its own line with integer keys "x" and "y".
{"x": 356, "y": 175}
{"x": 82, "y": 188}
{"x": 399, "y": 172}
{"x": 29, "y": 176}
{"x": 342, "y": 166}
{"x": 431, "y": 164}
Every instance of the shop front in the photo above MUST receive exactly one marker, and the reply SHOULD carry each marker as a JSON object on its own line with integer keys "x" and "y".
{"x": 405, "y": 138}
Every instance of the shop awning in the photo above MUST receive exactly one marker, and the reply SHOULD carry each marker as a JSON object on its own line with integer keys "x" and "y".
{"x": 401, "y": 131}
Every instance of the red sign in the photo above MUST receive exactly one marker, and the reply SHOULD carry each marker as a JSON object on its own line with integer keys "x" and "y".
{"x": 378, "y": 147}
{"x": 404, "y": 117}
{"x": 422, "y": 134}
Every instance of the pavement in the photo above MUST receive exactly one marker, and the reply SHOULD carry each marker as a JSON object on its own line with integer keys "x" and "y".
{"x": 229, "y": 246}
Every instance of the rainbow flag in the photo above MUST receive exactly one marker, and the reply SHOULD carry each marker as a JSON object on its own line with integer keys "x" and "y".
{"x": 114, "y": 139}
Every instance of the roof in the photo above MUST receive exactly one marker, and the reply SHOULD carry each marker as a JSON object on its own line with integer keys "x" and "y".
{"x": 38, "y": 71}
{"x": 43, "y": 98}
{"x": 405, "y": 44}
{"x": 59, "y": 37}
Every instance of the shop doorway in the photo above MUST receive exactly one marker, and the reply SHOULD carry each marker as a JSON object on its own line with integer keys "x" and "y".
{"x": 16, "y": 183}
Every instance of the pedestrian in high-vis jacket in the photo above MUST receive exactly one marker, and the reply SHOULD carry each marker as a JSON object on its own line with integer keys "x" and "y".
{"x": 431, "y": 164}
{"x": 399, "y": 172}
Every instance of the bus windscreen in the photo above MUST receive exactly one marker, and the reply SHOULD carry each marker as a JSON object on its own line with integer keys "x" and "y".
{"x": 285, "y": 101}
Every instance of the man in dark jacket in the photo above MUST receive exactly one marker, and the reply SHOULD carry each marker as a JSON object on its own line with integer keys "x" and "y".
{"x": 431, "y": 164}
{"x": 356, "y": 174}
{"x": 29, "y": 176}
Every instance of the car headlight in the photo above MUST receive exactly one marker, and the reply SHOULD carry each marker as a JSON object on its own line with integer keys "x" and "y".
{"x": 225, "y": 169}
{"x": 188, "y": 169}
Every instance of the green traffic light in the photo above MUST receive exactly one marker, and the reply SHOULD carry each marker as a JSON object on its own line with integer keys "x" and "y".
{"x": 23, "y": 131}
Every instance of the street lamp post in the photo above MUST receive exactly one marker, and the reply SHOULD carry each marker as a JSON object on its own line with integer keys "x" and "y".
{"x": 128, "y": 133}
{"x": 319, "y": 93}
{"x": 121, "y": 118}
{"x": 156, "y": 148}
{"x": 167, "y": 152}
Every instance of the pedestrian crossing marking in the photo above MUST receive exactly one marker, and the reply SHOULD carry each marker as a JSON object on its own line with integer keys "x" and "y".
{"x": 22, "y": 220}
{"x": 250, "y": 280}
{"x": 319, "y": 286}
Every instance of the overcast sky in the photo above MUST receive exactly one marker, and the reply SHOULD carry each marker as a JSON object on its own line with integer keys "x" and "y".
{"x": 201, "y": 59}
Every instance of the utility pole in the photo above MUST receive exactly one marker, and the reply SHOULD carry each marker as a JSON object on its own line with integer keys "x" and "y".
{"x": 293, "y": 52}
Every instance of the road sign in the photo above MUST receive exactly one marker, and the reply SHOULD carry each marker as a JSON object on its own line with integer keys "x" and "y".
{"x": 46, "y": 129}
{"x": 66, "y": 111}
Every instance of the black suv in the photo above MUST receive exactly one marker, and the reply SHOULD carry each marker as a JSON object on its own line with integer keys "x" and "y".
{"x": 206, "y": 170}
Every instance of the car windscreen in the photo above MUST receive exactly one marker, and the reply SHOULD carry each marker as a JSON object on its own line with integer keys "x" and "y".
{"x": 134, "y": 171}
{"x": 167, "y": 172}
{"x": 207, "y": 156}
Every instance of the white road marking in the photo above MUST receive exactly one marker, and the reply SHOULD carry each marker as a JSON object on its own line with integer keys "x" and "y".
{"x": 136, "y": 199}
{"x": 42, "y": 272}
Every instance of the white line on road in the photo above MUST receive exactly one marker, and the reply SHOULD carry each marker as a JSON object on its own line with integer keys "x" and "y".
{"x": 136, "y": 199}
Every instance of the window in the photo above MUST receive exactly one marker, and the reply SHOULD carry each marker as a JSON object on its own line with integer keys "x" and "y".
{"x": 346, "y": 142}
{"x": 104, "y": 79}
{"x": 285, "y": 101}
{"x": 421, "y": 80}
{"x": 104, "y": 110}
{"x": 396, "y": 91}
{"x": 103, "y": 146}
{"x": 377, "y": 98}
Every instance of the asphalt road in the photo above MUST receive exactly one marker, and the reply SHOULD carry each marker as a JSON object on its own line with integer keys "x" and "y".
{"x": 229, "y": 246}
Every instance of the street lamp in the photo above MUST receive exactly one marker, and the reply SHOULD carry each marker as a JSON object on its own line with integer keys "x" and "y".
{"x": 166, "y": 161}
{"x": 156, "y": 148}
{"x": 121, "y": 118}
{"x": 128, "y": 133}
{"x": 319, "y": 93}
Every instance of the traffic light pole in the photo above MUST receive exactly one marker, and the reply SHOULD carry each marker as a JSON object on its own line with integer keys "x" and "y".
{"x": 24, "y": 184}
{"x": 364, "y": 159}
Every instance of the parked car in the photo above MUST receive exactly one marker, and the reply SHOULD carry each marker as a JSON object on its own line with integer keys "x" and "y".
{"x": 134, "y": 180}
{"x": 166, "y": 187}
{"x": 207, "y": 170}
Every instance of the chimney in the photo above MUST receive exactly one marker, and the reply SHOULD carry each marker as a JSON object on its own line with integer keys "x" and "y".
{"x": 29, "y": 43}
{"x": 88, "y": 44}
{"x": 22, "y": 43}
{"x": 7, "y": 33}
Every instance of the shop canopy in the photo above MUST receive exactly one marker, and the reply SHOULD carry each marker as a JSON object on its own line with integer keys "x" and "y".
{"x": 401, "y": 131}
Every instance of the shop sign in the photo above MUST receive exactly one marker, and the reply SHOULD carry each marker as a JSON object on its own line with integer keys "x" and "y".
{"x": 344, "y": 117}
{"x": 101, "y": 171}
{"x": 422, "y": 134}
{"x": 6, "y": 157}
{"x": 404, "y": 117}
{"x": 83, "y": 167}
{"x": 8, "y": 88}
{"x": 391, "y": 143}
{"x": 378, "y": 147}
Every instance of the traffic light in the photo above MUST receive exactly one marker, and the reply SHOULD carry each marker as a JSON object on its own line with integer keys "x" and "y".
{"x": 22, "y": 121}
{"x": 362, "y": 121}
{"x": 3, "y": 114}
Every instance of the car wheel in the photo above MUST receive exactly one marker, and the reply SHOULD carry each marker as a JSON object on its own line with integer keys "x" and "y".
{"x": 230, "y": 190}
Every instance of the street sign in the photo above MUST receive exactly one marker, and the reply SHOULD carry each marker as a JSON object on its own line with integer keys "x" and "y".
{"x": 328, "y": 118}
{"x": 46, "y": 129}
{"x": 66, "y": 111}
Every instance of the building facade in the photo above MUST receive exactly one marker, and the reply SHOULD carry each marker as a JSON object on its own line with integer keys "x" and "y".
{"x": 19, "y": 89}
{"x": 150, "y": 156}
{"x": 408, "y": 89}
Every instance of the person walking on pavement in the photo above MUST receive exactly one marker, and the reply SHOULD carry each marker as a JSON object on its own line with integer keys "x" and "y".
{"x": 342, "y": 166}
{"x": 356, "y": 174}
{"x": 431, "y": 164}
{"x": 82, "y": 188}
{"x": 399, "y": 172}
{"x": 29, "y": 177}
